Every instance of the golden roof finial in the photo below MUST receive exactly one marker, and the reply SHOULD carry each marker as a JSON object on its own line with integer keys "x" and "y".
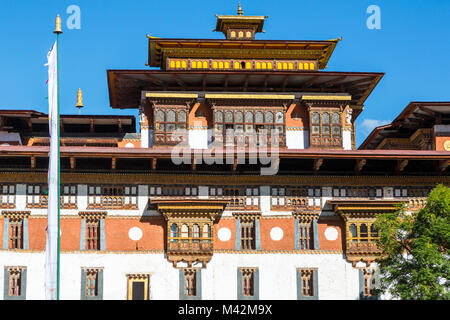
{"x": 58, "y": 25}
{"x": 79, "y": 100}
{"x": 240, "y": 12}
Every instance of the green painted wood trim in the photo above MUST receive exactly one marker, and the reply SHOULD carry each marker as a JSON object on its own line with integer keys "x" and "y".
{"x": 257, "y": 235}
{"x": 83, "y": 235}
{"x": 5, "y": 233}
{"x": 237, "y": 242}
{"x": 83, "y": 285}
{"x": 102, "y": 235}
{"x": 315, "y": 234}
{"x": 26, "y": 244}
{"x": 297, "y": 235}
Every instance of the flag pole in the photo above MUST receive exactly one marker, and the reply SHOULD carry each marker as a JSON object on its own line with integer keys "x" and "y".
{"x": 58, "y": 31}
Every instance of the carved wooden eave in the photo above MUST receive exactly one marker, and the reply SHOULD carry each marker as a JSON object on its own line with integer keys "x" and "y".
{"x": 305, "y": 215}
{"x": 15, "y": 214}
{"x": 92, "y": 215}
{"x": 363, "y": 209}
{"x": 189, "y": 208}
{"x": 247, "y": 216}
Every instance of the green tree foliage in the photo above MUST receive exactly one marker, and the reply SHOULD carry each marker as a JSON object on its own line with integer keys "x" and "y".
{"x": 415, "y": 262}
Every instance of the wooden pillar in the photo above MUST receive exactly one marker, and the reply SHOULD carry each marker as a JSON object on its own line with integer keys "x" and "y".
{"x": 72, "y": 164}
{"x": 113, "y": 164}
{"x": 33, "y": 163}
{"x": 91, "y": 125}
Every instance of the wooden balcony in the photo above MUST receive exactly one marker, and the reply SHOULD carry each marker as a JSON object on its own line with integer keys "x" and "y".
{"x": 326, "y": 141}
{"x": 42, "y": 203}
{"x": 246, "y": 141}
{"x": 7, "y": 205}
{"x": 416, "y": 203}
{"x": 112, "y": 202}
{"x": 362, "y": 248}
{"x": 201, "y": 245}
{"x": 239, "y": 203}
{"x": 167, "y": 139}
{"x": 293, "y": 203}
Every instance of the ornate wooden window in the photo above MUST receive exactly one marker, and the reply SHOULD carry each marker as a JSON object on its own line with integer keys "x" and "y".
{"x": 326, "y": 128}
{"x": 246, "y": 125}
{"x": 189, "y": 235}
{"x": 37, "y": 196}
{"x": 8, "y": 196}
{"x": 248, "y": 231}
{"x": 418, "y": 192}
{"x": 190, "y": 282}
{"x": 92, "y": 282}
{"x": 242, "y": 198}
{"x": 69, "y": 196}
{"x": 167, "y": 121}
{"x": 362, "y": 232}
{"x": 138, "y": 286}
{"x": 93, "y": 234}
{"x": 15, "y": 233}
{"x": 291, "y": 198}
{"x": 112, "y": 197}
{"x": 173, "y": 191}
{"x": 248, "y": 282}
{"x": 307, "y": 278}
{"x": 305, "y": 235}
{"x": 369, "y": 282}
{"x": 15, "y": 282}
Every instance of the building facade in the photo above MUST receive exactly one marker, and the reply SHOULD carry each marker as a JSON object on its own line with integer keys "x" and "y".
{"x": 187, "y": 208}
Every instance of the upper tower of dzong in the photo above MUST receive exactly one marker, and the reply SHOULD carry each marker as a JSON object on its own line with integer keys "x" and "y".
{"x": 276, "y": 84}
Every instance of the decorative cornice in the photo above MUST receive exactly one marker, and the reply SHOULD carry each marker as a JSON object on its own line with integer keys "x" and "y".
{"x": 327, "y": 97}
{"x": 251, "y": 96}
{"x": 92, "y": 215}
{"x": 296, "y": 128}
{"x": 305, "y": 215}
{"x": 16, "y": 214}
{"x": 247, "y": 216}
{"x": 171, "y": 95}
{"x": 183, "y": 179}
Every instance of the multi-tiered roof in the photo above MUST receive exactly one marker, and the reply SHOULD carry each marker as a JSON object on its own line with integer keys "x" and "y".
{"x": 239, "y": 63}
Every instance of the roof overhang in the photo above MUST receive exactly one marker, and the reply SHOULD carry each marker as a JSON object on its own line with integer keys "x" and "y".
{"x": 415, "y": 116}
{"x": 126, "y": 86}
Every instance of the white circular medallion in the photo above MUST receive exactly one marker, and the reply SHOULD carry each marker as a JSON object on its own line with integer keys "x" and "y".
{"x": 276, "y": 234}
{"x": 135, "y": 233}
{"x": 224, "y": 234}
{"x": 331, "y": 233}
{"x": 129, "y": 145}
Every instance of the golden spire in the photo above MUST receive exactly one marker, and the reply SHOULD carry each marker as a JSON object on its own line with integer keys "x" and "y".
{"x": 240, "y": 12}
{"x": 79, "y": 100}
{"x": 58, "y": 25}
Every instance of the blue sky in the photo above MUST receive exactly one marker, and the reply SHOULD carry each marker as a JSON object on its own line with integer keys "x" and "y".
{"x": 412, "y": 47}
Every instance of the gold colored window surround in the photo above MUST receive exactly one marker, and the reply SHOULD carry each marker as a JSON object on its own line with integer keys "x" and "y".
{"x": 138, "y": 277}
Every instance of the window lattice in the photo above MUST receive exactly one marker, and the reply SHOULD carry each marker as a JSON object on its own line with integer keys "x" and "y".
{"x": 190, "y": 282}
{"x": 248, "y": 282}
{"x": 307, "y": 278}
{"x": 15, "y": 283}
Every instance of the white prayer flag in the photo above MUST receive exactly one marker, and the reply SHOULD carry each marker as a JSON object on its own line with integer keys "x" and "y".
{"x": 51, "y": 247}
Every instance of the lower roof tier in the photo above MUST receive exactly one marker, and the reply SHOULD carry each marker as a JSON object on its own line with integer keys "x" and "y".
{"x": 286, "y": 162}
